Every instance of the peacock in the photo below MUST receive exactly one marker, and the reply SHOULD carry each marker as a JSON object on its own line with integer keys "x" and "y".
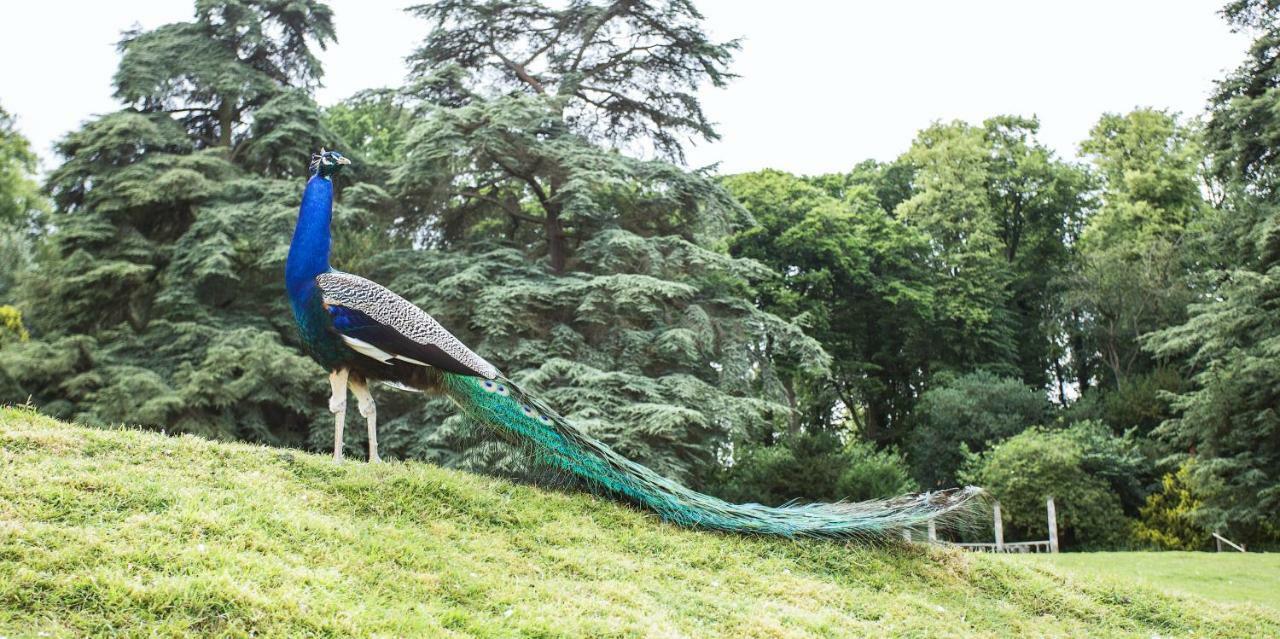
{"x": 361, "y": 332}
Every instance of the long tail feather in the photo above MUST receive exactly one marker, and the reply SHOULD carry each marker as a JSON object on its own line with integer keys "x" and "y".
{"x": 501, "y": 405}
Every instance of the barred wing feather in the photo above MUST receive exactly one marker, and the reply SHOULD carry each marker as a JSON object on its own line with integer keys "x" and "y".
{"x": 382, "y": 325}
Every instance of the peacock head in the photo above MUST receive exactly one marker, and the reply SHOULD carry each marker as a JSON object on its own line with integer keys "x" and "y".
{"x": 326, "y": 163}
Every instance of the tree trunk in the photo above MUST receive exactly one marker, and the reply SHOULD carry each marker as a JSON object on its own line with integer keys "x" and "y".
{"x": 226, "y": 119}
{"x": 793, "y": 415}
{"x": 557, "y": 243}
{"x": 874, "y": 420}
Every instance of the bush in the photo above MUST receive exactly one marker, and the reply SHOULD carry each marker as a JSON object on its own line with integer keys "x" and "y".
{"x": 1038, "y": 463}
{"x": 968, "y": 412}
{"x": 872, "y": 474}
{"x": 813, "y": 467}
{"x": 1168, "y": 518}
{"x": 1140, "y": 402}
{"x": 11, "y": 328}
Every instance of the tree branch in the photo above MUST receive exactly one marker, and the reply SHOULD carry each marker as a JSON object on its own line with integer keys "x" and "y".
{"x": 533, "y": 184}
{"x": 519, "y": 70}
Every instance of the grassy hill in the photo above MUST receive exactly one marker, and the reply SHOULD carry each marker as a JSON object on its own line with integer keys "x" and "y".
{"x": 1228, "y": 576}
{"x": 135, "y": 534}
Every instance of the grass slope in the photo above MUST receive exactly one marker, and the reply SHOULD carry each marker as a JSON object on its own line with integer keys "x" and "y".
{"x": 1227, "y": 576}
{"x": 129, "y": 533}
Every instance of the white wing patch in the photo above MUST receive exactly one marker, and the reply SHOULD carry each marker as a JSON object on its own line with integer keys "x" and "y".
{"x": 401, "y": 387}
{"x": 365, "y": 348}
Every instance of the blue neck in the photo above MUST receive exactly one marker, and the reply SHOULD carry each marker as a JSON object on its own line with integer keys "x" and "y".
{"x": 309, "y": 250}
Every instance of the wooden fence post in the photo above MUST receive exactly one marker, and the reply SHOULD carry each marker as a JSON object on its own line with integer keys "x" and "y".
{"x": 999, "y": 524}
{"x": 1053, "y": 527}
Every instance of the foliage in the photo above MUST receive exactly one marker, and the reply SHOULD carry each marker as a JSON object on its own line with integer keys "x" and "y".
{"x": 1168, "y": 518}
{"x": 1229, "y": 345}
{"x": 812, "y": 467}
{"x": 372, "y": 126}
{"x": 11, "y": 328}
{"x": 1243, "y": 131}
{"x": 968, "y": 413}
{"x": 157, "y": 299}
{"x": 589, "y": 274}
{"x": 854, "y": 278}
{"x": 1069, "y": 465}
{"x": 950, "y": 203}
{"x": 613, "y": 71}
{"x": 22, "y": 206}
{"x": 20, "y": 197}
{"x": 215, "y": 71}
{"x": 1227, "y": 420}
{"x": 1140, "y": 402}
{"x": 874, "y": 474}
{"x": 1150, "y": 164}
{"x": 1139, "y": 251}
{"x": 965, "y": 240}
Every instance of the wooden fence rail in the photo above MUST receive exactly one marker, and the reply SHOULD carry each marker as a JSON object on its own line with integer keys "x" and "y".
{"x": 1219, "y": 540}
{"x": 1046, "y": 545}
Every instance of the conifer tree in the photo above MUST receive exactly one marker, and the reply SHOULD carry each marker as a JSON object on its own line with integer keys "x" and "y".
{"x": 1228, "y": 419}
{"x": 158, "y": 300}
{"x": 591, "y": 274}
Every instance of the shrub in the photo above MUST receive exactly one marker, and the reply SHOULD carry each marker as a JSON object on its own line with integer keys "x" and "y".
{"x": 871, "y": 474}
{"x": 1168, "y": 518}
{"x": 1038, "y": 463}
{"x": 969, "y": 412}
{"x": 1139, "y": 402}
{"x": 813, "y": 467}
{"x": 11, "y": 328}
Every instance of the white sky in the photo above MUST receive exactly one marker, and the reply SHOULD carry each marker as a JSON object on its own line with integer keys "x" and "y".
{"x": 824, "y": 84}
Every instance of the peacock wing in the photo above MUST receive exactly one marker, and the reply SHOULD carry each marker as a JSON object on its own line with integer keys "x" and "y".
{"x": 380, "y": 324}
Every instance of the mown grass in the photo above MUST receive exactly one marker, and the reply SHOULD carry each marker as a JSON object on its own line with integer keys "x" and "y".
{"x": 1229, "y": 577}
{"x": 127, "y": 533}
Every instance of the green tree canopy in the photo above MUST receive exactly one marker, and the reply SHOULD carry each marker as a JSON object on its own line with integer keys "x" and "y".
{"x": 1140, "y": 251}
{"x": 856, "y": 279}
{"x": 22, "y": 206}
{"x": 1226, "y": 418}
{"x": 592, "y": 275}
{"x": 232, "y": 59}
{"x": 1072, "y": 466}
{"x": 969, "y": 413}
{"x": 158, "y": 297}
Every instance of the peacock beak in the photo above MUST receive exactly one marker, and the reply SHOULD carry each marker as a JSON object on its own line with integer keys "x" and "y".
{"x": 343, "y": 160}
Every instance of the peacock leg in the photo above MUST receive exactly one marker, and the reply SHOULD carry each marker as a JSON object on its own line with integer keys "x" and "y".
{"x": 364, "y": 399}
{"x": 338, "y": 406}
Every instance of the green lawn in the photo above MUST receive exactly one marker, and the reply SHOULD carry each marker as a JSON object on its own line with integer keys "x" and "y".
{"x": 133, "y": 534}
{"x": 1228, "y": 577}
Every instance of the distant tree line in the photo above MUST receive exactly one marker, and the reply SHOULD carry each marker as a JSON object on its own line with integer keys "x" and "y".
{"x": 976, "y": 310}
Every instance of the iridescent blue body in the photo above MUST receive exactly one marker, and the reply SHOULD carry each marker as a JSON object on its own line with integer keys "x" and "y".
{"x": 309, "y": 257}
{"x": 354, "y": 331}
